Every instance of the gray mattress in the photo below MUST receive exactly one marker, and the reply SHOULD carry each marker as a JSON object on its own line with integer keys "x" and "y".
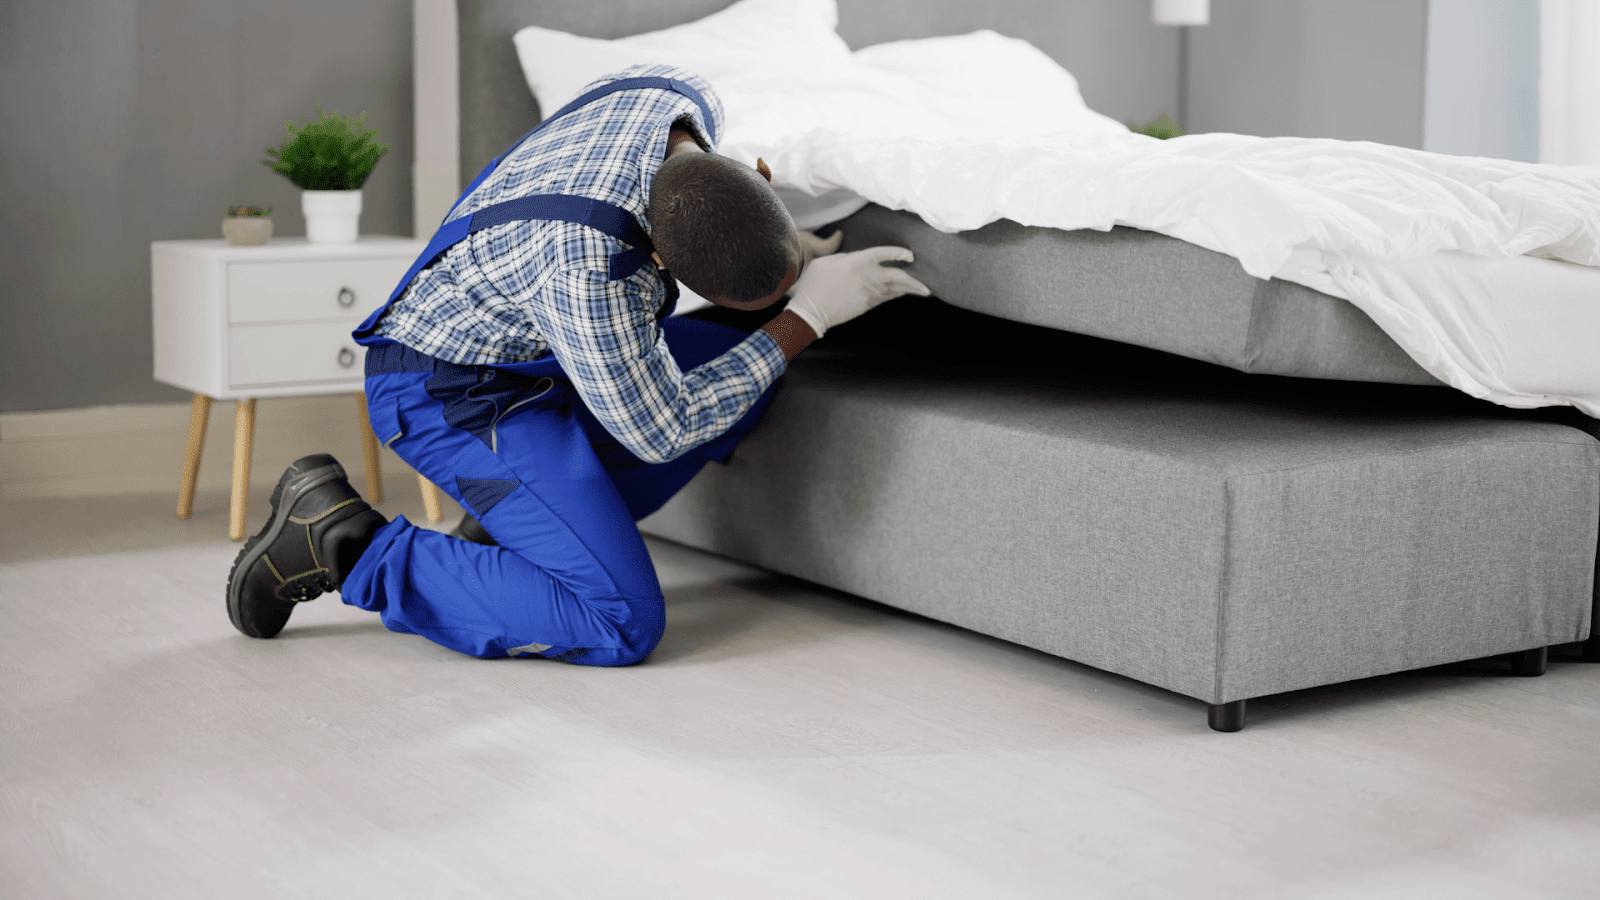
{"x": 1146, "y": 289}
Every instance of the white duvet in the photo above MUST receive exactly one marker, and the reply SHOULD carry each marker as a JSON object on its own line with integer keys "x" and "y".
{"x": 1484, "y": 271}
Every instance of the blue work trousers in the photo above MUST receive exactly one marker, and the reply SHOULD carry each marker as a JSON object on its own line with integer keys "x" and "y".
{"x": 516, "y": 446}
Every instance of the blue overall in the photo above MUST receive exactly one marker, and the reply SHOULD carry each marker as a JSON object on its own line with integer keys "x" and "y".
{"x": 515, "y": 445}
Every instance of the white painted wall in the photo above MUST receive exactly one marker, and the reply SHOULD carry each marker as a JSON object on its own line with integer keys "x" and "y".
{"x": 1481, "y": 93}
{"x": 1569, "y": 82}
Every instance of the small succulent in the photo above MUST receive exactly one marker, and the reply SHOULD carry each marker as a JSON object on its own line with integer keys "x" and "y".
{"x": 234, "y": 212}
{"x": 330, "y": 153}
{"x": 1161, "y": 128}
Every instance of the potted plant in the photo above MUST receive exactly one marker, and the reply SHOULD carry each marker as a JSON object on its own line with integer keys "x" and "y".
{"x": 246, "y": 225}
{"x": 328, "y": 159}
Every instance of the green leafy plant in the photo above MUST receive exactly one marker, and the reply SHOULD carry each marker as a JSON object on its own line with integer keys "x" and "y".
{"x": 1161, "y": 128}
{"x": 330, "y": 153}
{"x": 237, "y": 212}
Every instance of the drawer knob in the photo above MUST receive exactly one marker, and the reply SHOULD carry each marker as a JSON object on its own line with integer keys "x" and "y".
{"x": 347, "y": 297}
{"x": 347, "y": 357}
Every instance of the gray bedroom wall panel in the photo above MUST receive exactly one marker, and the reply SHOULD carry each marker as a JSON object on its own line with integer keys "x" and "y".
{"x": 1346, "y": 69}
{"x": 132, "y": 122}
{"x": 485, "y": 76}
{"x": 63, "y": 137}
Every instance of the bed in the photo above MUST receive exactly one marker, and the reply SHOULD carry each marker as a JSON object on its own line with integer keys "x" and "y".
{"x": 1182, "y": 383}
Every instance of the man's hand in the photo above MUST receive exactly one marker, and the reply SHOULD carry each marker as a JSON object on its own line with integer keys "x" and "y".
{"x": 835, "y": 289}
{"x": 812, "y": 246}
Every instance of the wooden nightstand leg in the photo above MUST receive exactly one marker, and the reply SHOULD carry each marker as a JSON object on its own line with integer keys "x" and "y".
{"x": 369, "y": 453}
{"x": 199, "y": 414}
{"x": 244, "y": 435}
{"x": 430, "y": 498}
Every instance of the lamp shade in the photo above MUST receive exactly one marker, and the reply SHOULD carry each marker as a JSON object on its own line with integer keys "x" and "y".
{"x": 1181, "y": 12}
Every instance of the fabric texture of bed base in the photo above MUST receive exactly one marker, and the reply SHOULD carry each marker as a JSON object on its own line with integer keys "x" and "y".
{"x": 1221, "y": 547}
{"x": 1143, "y": 288}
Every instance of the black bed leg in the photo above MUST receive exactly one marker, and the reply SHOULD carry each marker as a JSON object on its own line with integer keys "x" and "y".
{"x": 1225, "y": 716}
{"x": 1591, "y": 649}
{"x": 1530, "y": 662}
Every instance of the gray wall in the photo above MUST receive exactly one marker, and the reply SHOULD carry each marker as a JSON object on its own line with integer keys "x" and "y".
{"x": 126, "y": 122}
{"x": 1451, "y": 76}
{"x": 1348, "y": 69}
{"x": 1483, "y": 79}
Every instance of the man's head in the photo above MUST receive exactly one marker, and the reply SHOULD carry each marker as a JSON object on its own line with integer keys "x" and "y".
{"x": 720, "y": 229}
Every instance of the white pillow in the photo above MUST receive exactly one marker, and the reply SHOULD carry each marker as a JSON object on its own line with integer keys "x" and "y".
{"x": 985, "y": 78}
{"x": 776, "y": 37}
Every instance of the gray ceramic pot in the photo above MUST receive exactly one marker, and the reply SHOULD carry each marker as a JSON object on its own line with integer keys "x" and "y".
{"x": 246, "y": 230}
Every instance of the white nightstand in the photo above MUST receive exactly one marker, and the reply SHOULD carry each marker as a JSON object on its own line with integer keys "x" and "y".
{"x": 241, "y": 323}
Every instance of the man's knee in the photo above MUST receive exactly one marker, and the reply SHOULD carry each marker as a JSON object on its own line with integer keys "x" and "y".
{"x": 647, "y": 622}
{"x": 638, "y": 624}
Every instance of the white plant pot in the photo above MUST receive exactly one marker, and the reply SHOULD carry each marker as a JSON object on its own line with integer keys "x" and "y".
{"x": 332, "y": 217}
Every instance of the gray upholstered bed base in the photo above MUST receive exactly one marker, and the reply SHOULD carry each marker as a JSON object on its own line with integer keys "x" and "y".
{"x": 1222, "y": 547}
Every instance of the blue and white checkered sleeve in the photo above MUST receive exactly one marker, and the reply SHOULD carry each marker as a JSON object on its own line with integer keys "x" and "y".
{"x": 609, "y": 344}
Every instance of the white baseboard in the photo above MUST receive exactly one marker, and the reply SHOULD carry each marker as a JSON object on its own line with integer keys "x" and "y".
{"x": 139, "y": 449}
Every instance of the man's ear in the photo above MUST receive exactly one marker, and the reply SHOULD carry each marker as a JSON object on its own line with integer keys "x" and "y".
{"x": 761, "y": 166}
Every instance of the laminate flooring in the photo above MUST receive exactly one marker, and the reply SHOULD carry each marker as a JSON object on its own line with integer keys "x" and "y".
{"x": 785, "y": 741}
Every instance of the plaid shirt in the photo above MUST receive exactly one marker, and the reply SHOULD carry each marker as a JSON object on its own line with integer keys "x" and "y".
{"x": 523, "y": 290}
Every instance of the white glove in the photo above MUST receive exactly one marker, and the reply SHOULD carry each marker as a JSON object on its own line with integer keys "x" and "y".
{"x": 835, "y": 289}
{"x": 812, "y": 246}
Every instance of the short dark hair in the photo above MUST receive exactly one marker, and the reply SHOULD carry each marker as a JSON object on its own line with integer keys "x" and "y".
{"x": 720, "y": 228}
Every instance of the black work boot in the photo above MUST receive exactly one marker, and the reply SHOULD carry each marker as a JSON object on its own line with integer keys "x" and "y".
{"x": 470, "y": 529}
{"x": 318, "y": 529}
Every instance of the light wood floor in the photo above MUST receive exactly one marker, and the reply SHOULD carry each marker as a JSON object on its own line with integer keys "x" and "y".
{"x": 784, "y": 741}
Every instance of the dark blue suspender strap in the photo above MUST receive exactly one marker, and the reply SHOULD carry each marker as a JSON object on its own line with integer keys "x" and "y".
{"x": 597, "y": 214}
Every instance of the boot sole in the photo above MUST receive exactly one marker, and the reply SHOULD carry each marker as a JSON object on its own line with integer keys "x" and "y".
{"x": 284, "y": 495}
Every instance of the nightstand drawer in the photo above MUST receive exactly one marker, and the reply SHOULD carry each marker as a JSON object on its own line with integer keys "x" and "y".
{"x": 344, "y": 289}
{"x": 293, "y": 354}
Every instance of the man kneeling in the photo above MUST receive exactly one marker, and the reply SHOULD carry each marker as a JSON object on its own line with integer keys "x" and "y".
{"x": 528, "y": 368}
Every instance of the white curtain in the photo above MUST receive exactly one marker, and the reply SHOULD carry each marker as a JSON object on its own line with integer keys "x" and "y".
{"x": 1569, "y": 82}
